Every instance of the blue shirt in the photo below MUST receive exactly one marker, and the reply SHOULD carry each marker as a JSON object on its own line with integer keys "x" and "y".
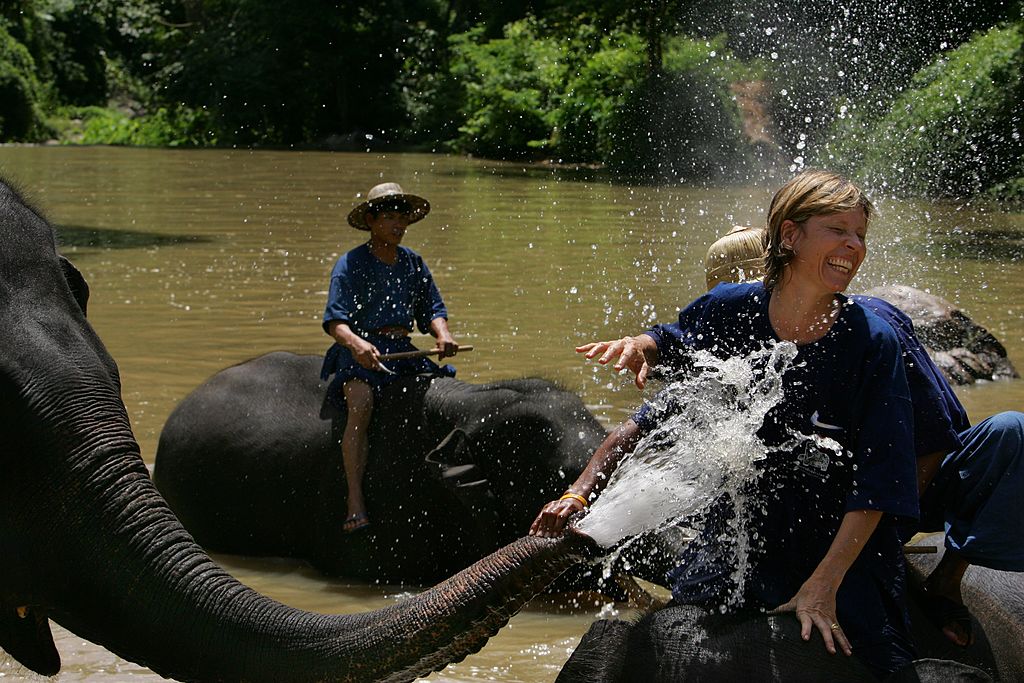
{"x": 939, "y": 417}
{"x": 367, "y": 294}
{"x": 849, "y": 386}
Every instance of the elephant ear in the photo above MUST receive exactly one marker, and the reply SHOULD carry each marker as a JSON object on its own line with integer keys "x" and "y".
{"x": 25, "y": 635}
{"x": 76, "y": 281}
{"x": 452, "y": 463}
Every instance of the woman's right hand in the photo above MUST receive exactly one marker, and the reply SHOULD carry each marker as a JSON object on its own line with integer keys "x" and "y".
{"x": 631, "y": 352}
{"x": 553, "y": 517}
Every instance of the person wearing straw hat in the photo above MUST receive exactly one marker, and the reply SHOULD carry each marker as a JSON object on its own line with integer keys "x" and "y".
{"x": 969, "y": 477}
{"x": 378, "y": 292}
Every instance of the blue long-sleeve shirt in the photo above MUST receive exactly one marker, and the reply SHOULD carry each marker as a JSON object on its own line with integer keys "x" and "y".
{"x": 367, "y": 294}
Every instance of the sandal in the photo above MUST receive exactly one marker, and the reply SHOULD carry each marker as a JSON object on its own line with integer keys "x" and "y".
{"x": 356, "y": 522}
{"x": 948, "y": 615}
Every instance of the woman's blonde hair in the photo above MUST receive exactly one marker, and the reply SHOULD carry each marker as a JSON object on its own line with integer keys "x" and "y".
{"x": 737, "y": 256}
{"x": 810, "y": 193}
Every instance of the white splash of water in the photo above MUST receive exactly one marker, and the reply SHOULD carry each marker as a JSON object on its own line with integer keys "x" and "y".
{"x": 705, "y": 447}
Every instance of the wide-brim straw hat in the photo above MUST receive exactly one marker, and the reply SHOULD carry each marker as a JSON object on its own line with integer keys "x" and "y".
{"x": 419, "y": 207}
{"x": 738, "y": 256}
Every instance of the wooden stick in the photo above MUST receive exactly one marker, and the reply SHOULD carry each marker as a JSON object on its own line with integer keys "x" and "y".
{"x": 919, "y": 550}
{"x": 401, "y": 355}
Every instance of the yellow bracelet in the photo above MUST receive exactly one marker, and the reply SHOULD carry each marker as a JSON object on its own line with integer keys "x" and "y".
{"x": 569, "y": 495}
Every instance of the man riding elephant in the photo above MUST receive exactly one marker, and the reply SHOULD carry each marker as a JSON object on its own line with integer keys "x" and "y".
{"x": 378, "y": 291}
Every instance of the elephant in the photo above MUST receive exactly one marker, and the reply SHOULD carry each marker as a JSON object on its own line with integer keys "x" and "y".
{"x": 964, "y": 351}
{"x": 251, "y": 463}
{"x": 686, "y": 643}
{"x": 89, "y": 542}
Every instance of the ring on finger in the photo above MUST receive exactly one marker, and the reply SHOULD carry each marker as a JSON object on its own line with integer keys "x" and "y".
{"x": 834, "y": 626}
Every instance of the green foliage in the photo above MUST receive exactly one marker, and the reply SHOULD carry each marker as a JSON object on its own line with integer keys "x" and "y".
{"x": 429, "y": 94}
{"x": 296, "y": 75}
{"x": 19, "y": 91}
{"x": 590, "y": 97}
{"x": 511, "y": 86}
{"x": 589, "y": 116}
{"x": 680, "y": 122}
{"x": 605, "y": 81}
{"x": 955, "y": 131}
{"x": 165, "y": 127}
{"x": 72, "y": 40}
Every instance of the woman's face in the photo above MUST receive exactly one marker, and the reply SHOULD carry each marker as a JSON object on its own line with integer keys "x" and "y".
{"x": 827, "y": 250}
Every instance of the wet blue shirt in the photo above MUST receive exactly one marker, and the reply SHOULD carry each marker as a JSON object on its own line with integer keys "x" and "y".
{"x": 939, "y": 417}
{"x": 368, "y": 294}
{"x": 849, "y": 386}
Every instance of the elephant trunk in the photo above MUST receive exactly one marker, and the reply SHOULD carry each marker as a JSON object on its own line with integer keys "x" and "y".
{"x": 457, "y": 617}
{"x": 187, "y": 619}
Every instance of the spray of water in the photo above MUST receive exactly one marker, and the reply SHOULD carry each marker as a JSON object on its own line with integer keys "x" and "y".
{"x": 705, "y": 446}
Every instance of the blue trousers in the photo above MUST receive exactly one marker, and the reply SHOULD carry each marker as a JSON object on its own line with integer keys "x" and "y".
{"x": 977, "y": 497}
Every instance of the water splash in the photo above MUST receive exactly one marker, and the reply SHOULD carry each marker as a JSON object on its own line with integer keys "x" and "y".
{"x": 706, "y": 445}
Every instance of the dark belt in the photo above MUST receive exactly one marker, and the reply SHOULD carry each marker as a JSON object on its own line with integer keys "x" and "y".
{"x": 391, "y": 331}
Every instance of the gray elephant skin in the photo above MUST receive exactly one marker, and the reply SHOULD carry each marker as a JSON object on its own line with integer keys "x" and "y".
{"x": 251, "y": 463}
{"x": 684, "y": 643}
{"x": 89, "y": 542}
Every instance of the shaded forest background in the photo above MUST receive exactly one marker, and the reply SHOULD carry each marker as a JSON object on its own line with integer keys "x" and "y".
{"x": 920, "y": 97}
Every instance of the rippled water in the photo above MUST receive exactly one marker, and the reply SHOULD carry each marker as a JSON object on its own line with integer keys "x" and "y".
{"x": 202, "y": 259}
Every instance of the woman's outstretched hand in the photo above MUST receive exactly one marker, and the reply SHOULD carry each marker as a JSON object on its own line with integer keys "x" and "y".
{"x": 815, "y": 607}
{"x": 553, "y": 517}
{"x": 635, "y": 354}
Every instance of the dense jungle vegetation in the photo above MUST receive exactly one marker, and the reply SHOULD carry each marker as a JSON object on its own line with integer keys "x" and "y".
{"x": 922, "y": 96}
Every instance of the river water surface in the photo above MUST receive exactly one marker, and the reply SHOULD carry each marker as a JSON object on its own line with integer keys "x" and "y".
{"x": 202, "y": 259}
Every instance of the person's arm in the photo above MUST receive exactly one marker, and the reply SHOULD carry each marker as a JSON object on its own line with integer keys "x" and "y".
{"x": 553, "y": 516}
{"x": 815, "y": 602}
{"x": 637, "y": 354}
{"x": 927, "y": 468}
{"x": 446, "y": 345}
{"x": 364, "y": 353}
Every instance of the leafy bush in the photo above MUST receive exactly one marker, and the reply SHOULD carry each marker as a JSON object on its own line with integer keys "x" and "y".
{"x": 589, "y": 98}
{"x": 177, "y": 127}
{"x": 956, "y": 131}
{"x": 19, "y": 91}
{"x": 511, "y": 86}
{"x": 681, "y": 123}
{"x": 587, "y": 120}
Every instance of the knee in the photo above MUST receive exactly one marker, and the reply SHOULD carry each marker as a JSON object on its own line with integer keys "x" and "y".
{"x": 1010, "y": 427}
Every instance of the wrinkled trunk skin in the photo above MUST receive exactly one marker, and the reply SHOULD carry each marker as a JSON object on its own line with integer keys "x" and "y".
{"x": 469, "y": 608}
{"x": 88, "y": 541}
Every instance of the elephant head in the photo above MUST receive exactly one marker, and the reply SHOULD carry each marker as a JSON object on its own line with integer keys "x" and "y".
{"x": 88, "y": 541}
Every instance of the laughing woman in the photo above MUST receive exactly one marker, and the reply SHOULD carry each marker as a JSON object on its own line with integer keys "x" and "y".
{"x": 821, "y": 528}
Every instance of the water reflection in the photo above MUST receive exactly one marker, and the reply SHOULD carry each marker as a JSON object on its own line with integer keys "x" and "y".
{"x": 202, "y": 259}
{"x": 79, "y": 239}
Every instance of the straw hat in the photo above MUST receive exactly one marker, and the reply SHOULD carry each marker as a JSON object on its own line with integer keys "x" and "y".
{"x": 419, "y": 207}
{"x": 736, "y": 257}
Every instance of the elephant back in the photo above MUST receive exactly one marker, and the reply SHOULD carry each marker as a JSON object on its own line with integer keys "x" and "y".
{"x": 962, "y": 349}
{"x": 243, "y": 451}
